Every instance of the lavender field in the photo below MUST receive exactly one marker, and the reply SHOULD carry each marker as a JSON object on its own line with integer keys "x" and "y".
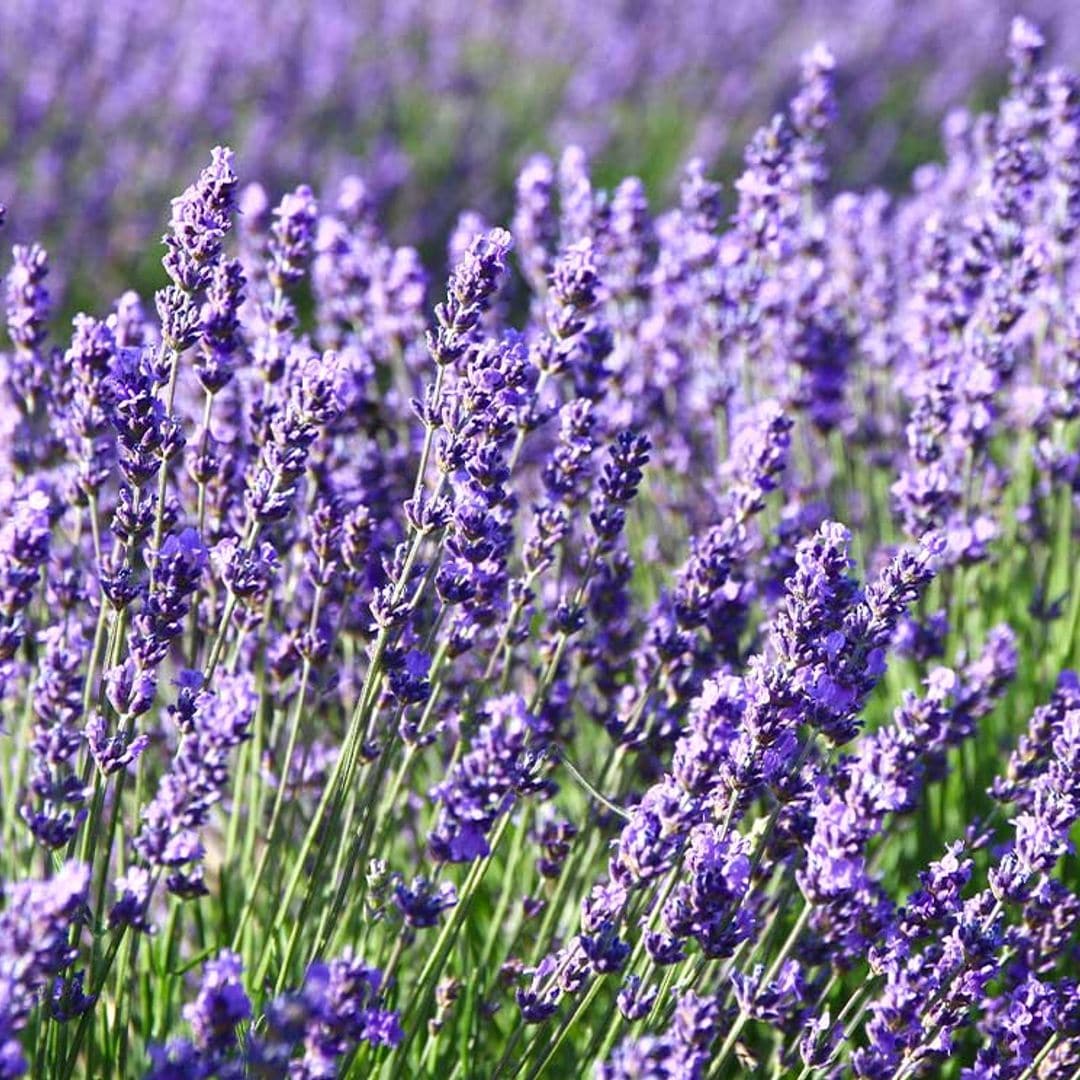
{"x": 539, "y": 541}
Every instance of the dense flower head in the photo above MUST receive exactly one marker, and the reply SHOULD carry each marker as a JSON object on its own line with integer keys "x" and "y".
{"x": 535, "y": 227}
{"x": 569, "y": 468}
{"x": 421, "y": 902}
{"x": 25, "y": 540}
{"x": 200, "y": 218}
{"x": 312, "y": 401}
{"x": 221, "y": 1005}
{"x": 304, "y": 1033}
{"x": 27, "y": 311}
{"x": 759, "y": 455}
{"x": 169, "y": 835}
{"x": 220, "y": 326}
{"x": 635, "y": 1002}
{"x": 617, "y": 485}
{"x": 58, "y": 807}
{"x": 484, "y": 783}
{"x": 292, "y": 236}
{"x": 708, "y": 907}
{"x": 654, "y": 834}
{"x": 573, "y": 285}
{"x": 344, "y": 992}
{"x": 178, "y": 568}
{"x": 682, "y": 1051}
{"x": 36, "y": 946}
{"x": 1034, "y": 747}
{"x": 146, "y": 434}
{"x": 471, "y": 289}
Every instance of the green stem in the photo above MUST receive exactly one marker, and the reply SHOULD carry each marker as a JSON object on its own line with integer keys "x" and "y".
{"x": 416, "y": 1009}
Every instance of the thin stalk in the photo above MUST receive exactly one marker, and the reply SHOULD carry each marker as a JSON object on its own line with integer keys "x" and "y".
{"x": 580, "y": 1006}
{"x": 417, "y": 1005}
{"x": 283, "y": 779}
{"x": 774, "y": 967}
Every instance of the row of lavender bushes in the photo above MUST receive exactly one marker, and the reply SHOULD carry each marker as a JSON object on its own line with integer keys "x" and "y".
{"x": 654, "y": 663}
{"x": 104, "y": 104}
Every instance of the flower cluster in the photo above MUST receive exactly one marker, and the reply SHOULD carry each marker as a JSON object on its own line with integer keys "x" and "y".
{"x": 617, "y": 664}
{"x": 306, "y": 1034}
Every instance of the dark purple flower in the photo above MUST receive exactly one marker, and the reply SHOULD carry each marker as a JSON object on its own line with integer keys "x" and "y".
{"x": 343, "y": 995}
{"x": 709, "y": 906}
{"x": 635, "y": 1001}
{"x": 222, "y": 1004}
{"x": 422, "y": 902}
{"x": 617, "y": 485}
{"x": 681, "y": 1052}
{"x": 221, "y": 345}
{"x": 179, "y": 1060}
{"x": 25, "y": 540}
{"x": 133, "y": 893}
{"x": 147, "y": 435}
{"x": 484, "y": 783}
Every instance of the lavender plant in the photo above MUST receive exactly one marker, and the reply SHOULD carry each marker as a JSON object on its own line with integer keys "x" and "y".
{"x": 650, "y": 653}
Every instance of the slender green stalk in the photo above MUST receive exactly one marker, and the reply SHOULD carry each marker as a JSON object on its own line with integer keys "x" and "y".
{"x": 740, "y": 1021}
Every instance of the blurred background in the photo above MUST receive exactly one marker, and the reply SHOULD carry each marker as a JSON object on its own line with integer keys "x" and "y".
{"x": 109, "y": 107}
